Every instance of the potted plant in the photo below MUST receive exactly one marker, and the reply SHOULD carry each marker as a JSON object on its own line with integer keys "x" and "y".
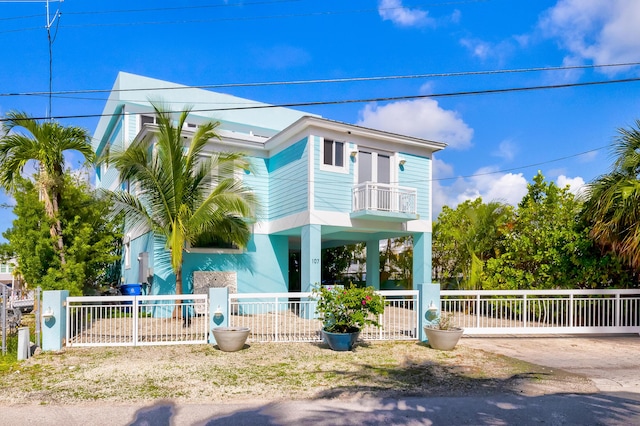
{"x": 442, "y": 334}
{"x": 345, "y": 311}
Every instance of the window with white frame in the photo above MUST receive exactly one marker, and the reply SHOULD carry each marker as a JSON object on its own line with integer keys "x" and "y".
{"x": 147, "y": 119}
{"x": 333, "y": 155}
{"x": 127, "y": 252}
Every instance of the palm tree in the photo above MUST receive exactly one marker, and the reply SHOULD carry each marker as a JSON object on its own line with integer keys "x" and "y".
{"x": 44, "y": 142}
{"x": 613, "y": 200}
{"x": 180, "y": 192}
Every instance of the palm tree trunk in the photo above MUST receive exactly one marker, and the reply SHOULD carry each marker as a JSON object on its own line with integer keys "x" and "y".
{"x": 57, "y": 226}
{"x": 177, "y": 313}
{"x": 51, "y": 209}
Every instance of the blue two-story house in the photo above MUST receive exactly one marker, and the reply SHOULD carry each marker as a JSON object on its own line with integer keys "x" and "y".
{"x": 320, "y": 183}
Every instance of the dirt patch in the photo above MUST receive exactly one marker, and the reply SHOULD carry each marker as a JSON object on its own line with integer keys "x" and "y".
{"x": 274, "y": 371}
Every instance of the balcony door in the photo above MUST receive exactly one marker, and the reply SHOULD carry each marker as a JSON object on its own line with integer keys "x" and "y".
{"x": 374, "y": 170}
{"x": 374, "y": 167}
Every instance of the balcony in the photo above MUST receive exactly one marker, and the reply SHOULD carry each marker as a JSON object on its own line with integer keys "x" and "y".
{"x": 386, "y": 202}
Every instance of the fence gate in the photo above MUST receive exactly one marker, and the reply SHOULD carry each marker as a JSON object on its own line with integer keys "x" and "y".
{"x": 137, "y": 320}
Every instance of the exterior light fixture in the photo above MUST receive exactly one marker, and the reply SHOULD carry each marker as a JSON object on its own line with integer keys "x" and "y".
{"x": 218, "y": 313}
{"x": 48, "y": 313}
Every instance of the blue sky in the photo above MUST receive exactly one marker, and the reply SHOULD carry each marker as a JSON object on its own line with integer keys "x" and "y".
{"x": 497, "y": 141}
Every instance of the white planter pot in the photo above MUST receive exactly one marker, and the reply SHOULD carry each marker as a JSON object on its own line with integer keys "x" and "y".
{"x": 444, "y": 340}
{"x": 230, "y": 339}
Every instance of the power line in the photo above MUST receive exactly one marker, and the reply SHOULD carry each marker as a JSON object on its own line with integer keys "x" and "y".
{"x": 528, "y": 166}
{"x": 230, "y": 19}
{"x": 330, "y": 81}
{"x": 378, "y": 99}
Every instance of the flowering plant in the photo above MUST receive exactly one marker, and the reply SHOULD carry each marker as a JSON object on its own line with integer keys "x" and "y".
{"x": 348, "y": 310}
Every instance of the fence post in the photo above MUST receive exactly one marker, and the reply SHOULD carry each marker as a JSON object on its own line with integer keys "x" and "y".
{"x": 218, "y": 309}
{"x": 54, "y": 319}
{"x": 38, "y": 312}
{"x": 429, "y": 296}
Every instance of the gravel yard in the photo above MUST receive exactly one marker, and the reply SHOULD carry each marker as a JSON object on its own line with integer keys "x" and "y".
{"x": 273, "y": 371}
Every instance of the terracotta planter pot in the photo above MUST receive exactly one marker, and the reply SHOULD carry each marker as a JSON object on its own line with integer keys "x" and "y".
{"x": 230, "y": 339}
{"x": 340, "y": 341}
{"x": 444, "y": 340}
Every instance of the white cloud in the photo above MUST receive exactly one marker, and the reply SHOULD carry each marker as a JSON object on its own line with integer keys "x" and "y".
{"x": 392, "y": 10}
{"x": 593, "y": 30}
{"x": 506, "y": 150}
{"x": 576, "y": 184}
{"x": 478, "y": 48}
{"x": 506, "y": 188}
{"x": 422, "y": 118}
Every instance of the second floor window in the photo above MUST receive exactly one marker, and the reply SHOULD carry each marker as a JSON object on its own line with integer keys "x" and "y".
{"x": 333, "y": 153}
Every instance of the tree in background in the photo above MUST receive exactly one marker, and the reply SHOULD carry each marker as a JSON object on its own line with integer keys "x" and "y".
{"x": 92, "y": 243}
{"x": 612, "y": 208}
{"x": 336, "y": 262}
{"x": 45, "y": 143}
{"x": 465, "y": 238}
{"x": 396, "y": 262}
{"x": 178, "y": 196}
{"x": 548, "y": 246}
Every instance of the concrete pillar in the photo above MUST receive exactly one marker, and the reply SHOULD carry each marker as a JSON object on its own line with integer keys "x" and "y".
{"x": 54, "y": 319}
{"x": 373, "y": 264}
{"x": 218, "y": 309}
{"x": 24, "y": 344}
{"x": 421, "y": 258}
{"x": 429, "y": 297}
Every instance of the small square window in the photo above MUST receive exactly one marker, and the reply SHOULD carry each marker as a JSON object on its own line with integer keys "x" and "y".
{"x": 333, "y": 153}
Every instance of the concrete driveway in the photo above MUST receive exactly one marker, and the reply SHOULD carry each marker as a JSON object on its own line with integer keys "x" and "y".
{"x": 612, "y": 363}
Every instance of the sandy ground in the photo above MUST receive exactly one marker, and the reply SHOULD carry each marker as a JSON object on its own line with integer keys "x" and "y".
{"x": 275, "y": 372}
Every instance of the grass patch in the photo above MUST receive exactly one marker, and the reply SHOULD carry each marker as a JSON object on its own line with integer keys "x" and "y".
{"x": 200, "y": 373}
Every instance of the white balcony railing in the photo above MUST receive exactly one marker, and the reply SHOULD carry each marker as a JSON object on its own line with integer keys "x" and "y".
{"x": 384, "y": 198}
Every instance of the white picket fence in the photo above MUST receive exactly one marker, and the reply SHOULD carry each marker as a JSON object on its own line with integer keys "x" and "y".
{"x": 290, "y": 317}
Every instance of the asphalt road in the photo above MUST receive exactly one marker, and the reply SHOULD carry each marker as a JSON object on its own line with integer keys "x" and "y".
{"x": 613, "y": 363}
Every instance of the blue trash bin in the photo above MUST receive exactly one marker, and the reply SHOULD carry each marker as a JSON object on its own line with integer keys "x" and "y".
{"x": 130, "y": 290}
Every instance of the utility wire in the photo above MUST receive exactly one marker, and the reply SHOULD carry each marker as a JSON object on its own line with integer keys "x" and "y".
{"x": 329, "y": 81}
{"x": 378, "y": 99}
{"x": 528, "y": 166}
{"x": 230, "y": 19}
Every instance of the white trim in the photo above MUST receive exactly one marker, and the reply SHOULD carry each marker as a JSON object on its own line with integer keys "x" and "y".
{"x": 321, "y": 217}
{"x": 190, "y": 249}
{"x": 311, "y": 184}
{"x": 356, "y": 133}
{"x": 125, "y": 128}
{"x": 127, "y": 251}
{"x": 344, "y": 169}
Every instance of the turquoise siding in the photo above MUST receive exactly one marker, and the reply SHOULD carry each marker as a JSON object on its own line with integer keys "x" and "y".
{"x": 132, "y": 122}
{"x": 332, "y": 190}
{"x": 416, "y": 175}
{"x": 258, "y": 181}
{"x": 288, "y": 181}
{"x": 139, "y": 245}
{"x": 262, "y": 267}
{"x": 115, "y": 141}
